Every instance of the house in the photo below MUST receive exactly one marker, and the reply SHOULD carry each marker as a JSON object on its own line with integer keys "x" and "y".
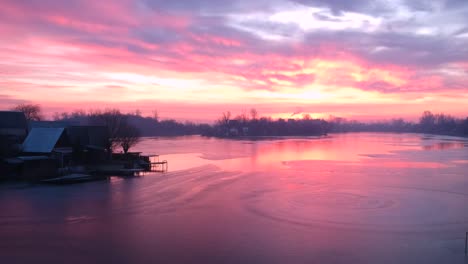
{"x": 13, "y": 130}
{"x": 88, "y": 136}
{"x": 45, "y": 140}
{"x": 50, "y": 142}
{"x": 234, "y": 126}
{"x": 90, "y": 143}
{"x": 13, "y": 125}
{"x": 31, "y": 168}
{"x": 245, "y": 131}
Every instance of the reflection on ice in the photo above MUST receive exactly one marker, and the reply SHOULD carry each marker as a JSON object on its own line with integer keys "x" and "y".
{"x": 348, "y": 198}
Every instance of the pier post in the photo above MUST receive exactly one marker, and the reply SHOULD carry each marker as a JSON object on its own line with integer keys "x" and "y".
{"x": 466, "y": 242}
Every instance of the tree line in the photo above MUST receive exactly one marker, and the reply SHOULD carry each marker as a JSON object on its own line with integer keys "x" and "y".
{"x": 428, "y": 123}
{"x": 121, "y": 133}
{"x": 147, "y": 126}
{"x": 251, "y": 124}
{"x": 254, "y": 126}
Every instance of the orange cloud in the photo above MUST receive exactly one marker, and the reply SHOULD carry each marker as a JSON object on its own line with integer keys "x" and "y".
{"x": 133, "y": 56}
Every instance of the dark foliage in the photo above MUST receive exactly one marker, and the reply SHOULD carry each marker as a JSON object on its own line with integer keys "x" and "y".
{"x": 32, "y": 112}
{"x": 147, "y": 126}
{"x": 265, "y": 127}
{"x": 428, "y": 123}
{"x": 128, "y": 136}
{"x": 254, "y": 126}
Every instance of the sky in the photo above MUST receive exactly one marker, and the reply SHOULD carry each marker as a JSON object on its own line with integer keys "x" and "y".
{"x": 193, "y": 60}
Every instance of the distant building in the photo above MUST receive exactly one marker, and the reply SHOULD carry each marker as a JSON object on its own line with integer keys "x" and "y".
{"x": 13, "y": 125}
{"x": 245, "y": 131}
{"x": 233, "y": 128}
{"x": 234, "y": 123}
{"x": 233, "y": 132}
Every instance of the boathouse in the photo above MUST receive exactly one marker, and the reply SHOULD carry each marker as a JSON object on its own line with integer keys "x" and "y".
{"x": 90, "y": 143}
{"x": 31, "y": 168}
{"x": 13, "y": 129}
{"x": 51, "y": 142}
{"x": 13, "y": 124}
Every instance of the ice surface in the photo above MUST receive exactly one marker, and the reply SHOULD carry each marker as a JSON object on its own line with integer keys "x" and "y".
{"x": 350, "y": 198}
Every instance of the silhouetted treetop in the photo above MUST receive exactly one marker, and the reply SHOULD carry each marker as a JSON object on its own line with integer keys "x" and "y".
{"x": 31, "y": 111}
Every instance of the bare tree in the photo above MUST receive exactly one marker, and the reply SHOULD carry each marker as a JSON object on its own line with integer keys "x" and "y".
{"x": 113, "y": 120}
{"x": 64, "y": 116}
{"x": 128, "y": 136}
{"x": 224, "y": 120}
{"x": 243, "y": 118}
{"x": 120, "y": 132}
{"x": 155, "y": 115}
{"x": 253, "y": 114}
{"x": 56, "y": 116}
{"x": 31, "y": 111}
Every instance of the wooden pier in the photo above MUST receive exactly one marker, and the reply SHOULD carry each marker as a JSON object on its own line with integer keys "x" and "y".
{"x": 158, "y": 165}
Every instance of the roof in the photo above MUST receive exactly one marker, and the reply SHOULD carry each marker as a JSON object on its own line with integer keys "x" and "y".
{"x": 49, "y": 124}
{"x": 95, "y": 136}
{"x": 13, "y": 119}
{"x": 42, "y": 140}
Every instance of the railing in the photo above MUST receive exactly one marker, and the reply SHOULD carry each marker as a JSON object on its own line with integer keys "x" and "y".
{"x": 161, "y": 166}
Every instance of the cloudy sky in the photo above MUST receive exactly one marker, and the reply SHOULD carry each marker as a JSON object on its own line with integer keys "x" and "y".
{"x": 194, "y": 59}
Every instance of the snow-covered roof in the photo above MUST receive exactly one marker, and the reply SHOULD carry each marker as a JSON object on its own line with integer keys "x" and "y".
{"x": 42, "y": 140}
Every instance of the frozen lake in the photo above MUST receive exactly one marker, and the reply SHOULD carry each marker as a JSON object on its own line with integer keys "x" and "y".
{"x": 345, "y": 198}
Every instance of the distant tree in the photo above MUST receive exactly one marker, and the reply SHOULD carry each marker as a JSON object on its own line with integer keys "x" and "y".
{"x": 243, "y": 118}
{"x": 64, "y": 116}
{"x": 464, "y": 126}
{"x": 31, "y": 111}
{"x": 253, "y": 114}
{"x": 225, "y": 117}
{"x": 398, "y": 124}
{"x": 78, "y": 113}
{"x": 56, "y": 116}
{"x": 427, "y": 122}
{"x": 128, "y": 136}
{"x": 155, "y": 115}
{"x": 445, "y": 123}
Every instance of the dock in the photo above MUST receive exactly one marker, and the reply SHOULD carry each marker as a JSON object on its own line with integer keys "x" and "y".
{"x": 157, "y": 165}
{"x": 70, "y": 178}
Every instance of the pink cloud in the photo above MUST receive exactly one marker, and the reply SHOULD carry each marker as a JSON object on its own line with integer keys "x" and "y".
{"x": 66, "y": 44}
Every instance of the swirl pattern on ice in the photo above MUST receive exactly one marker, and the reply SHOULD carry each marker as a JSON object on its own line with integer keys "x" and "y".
{"x": 385, "y": 208}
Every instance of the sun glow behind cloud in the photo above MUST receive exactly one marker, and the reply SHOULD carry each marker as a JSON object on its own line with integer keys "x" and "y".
{"x": 206, "y": 57}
